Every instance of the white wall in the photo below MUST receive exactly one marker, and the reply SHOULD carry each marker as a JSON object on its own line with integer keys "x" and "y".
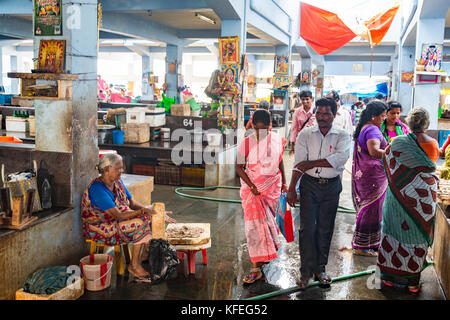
{"x": 345, "y": 68}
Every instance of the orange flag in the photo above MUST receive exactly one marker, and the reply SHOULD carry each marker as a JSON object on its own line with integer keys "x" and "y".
{"x": 379, "y": 25}
{"x": 323, "y": 30}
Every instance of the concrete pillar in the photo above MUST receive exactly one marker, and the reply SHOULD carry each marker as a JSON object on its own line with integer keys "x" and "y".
{"x": 321, "y": 69}
{"x": 404, "y": 89}
{"x": 79, "y": 31}
{"x": 286, "y": 51}
{"x": 174, "y": 55}
{"x": 429, "y": 31}
{"x": 14, "y": 82}
{"x": 147, "y": 90}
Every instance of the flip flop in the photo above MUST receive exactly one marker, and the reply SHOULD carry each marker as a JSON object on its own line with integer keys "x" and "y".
{"x": 415, "y": 291}
{"x": 387, "y": 283}
{"x": 146, "y": 279}
{"x": 365, "y": 253}
{"x": 255, "y": 274}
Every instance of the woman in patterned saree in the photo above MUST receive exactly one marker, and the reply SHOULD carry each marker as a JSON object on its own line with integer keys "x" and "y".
{"x": 112, "y": 217}
{"x": 262, "y": 182}
{"x": 410, "y": 205}
{"x": 368, "y": 179}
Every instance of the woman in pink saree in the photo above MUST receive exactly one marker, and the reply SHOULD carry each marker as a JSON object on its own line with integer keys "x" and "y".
{"x": 262, "y": 181}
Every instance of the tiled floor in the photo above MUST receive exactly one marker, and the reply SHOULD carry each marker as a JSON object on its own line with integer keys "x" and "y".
{"x": 228, "y": 259}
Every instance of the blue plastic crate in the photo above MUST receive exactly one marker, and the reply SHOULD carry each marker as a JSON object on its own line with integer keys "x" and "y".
{"x": 6, "y": 98}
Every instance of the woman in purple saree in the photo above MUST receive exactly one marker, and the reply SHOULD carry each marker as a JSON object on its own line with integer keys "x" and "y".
{"x": 369, "y": 181}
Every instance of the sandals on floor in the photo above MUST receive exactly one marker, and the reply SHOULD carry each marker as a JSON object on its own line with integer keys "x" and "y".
{"x": 416, "y": 290}
{"x": 388, "y": 283}
{"x": 145, "y": 279}
{"x": 324, "y": 279}
{"x": 255, "y": 274}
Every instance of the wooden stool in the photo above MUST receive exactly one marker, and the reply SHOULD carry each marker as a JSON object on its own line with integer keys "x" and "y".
{"x": 190, "y": 251}
{"x": 120, "y": 266}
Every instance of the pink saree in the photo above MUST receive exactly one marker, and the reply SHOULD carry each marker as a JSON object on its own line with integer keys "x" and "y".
{"x": 262, "y": 167}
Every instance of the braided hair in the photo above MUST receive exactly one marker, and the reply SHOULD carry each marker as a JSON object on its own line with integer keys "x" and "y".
{"x": 373, "y": 109}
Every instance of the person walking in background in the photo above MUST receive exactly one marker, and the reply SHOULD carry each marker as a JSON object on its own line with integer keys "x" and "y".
{"x": 368, "y": 179}
{"x": 343, "y": 118}
{"x": 263, "y": 104}
{"x": 320, "y": 154}
{"x": 392, "y": 126}
{"x": 260, "y": 166}
{"x": 410, "y": 206}
{"x": 303, "y": 117}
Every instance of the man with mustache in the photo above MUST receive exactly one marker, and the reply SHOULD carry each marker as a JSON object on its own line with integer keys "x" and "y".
{"x": 320, "y": 155}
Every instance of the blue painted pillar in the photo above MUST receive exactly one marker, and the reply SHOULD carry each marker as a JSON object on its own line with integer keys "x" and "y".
{"x": 429, "y": 31}
{"x": 147, "y": 90}
{"x": 286, "y": 51}
{"x": 14, "y": 82}
{"x": 404, "y": 89}
{"x": 174, "y": 55}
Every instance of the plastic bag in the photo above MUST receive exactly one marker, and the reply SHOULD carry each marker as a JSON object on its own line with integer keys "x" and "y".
{"x": 284, "y": 219}
{"x": 162, "y": 259}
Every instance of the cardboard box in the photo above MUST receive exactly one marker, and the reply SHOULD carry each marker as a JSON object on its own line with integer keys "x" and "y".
{"x": 180, "y": 110}
{"x": 136, "y": 132}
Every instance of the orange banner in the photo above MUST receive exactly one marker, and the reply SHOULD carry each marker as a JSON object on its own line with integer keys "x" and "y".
{"x": 323, "y": 30}
{"x": 379, "y": 25}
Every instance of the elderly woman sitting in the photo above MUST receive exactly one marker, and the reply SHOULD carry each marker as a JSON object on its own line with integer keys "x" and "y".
{"x": 112, "y": 217}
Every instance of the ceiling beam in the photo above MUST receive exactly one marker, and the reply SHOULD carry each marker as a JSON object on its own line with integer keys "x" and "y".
{"x": 139, "y": 27}
{"x": 226, "y": 9}
{"x": 144, "y": 5}
{"x": 10, "y": 25}
{"x": 22, "y": 7}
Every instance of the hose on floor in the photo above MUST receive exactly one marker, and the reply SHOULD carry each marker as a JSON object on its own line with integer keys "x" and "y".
{"x": 179, "y": 192}
{"x": 316, "y": 283}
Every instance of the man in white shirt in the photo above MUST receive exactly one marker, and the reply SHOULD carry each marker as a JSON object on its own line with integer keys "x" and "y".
{"x": 320, "y": 155}
{"x": 343, "y": 119}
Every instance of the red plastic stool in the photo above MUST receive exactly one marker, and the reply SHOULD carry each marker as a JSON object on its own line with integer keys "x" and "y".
{"x": 191, "y": 258}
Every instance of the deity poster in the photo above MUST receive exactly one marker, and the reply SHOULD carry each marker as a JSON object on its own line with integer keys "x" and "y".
{"x": 281, "y": 81}
{"x": 47, "y": 18}
{"x": 229, "y": 50}
{"x": 281, "y": 65}
{"x": 432, "y": 54}
{"x": 231, "y": 72}
{"x": 51, "y": 55}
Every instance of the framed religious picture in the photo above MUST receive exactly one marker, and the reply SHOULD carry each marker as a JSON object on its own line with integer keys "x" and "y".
{"x": 280, "y": 81}
{"x": 281, "y": 65}
{"x": 47, "y": 18}
{"x": 319, "y": 83}
{"x": 305, "y": 77}
{"x": 51, "y": 55}
{"x": 432, "y": 54}
{"x": 229, "y": 50}
{"x": 172, "y": 68}
{"x": 231, "y": 72}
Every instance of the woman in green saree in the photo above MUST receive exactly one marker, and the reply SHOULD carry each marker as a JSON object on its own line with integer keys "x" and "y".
{"x": 410, "y": 204}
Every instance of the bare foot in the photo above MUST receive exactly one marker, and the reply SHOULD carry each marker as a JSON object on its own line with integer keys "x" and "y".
{"x": 138, "y": 271}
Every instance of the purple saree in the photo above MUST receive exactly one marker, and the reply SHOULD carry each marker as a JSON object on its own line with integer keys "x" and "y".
{"x": 369, "y": 185}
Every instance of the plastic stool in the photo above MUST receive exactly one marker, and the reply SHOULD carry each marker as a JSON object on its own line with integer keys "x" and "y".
{"x": 120, "y": 266}
{"x": 191, "y": 258}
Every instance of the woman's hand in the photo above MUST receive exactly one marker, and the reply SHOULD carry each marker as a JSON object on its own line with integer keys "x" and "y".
{"x": 148, "y": 211}
{"x": 254, "y": 190}
{"x": 169, "y": 219}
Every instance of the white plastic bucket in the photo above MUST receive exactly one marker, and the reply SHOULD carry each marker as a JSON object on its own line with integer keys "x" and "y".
{"x": 165, "y": 134}
{"x": 96, "y": 271}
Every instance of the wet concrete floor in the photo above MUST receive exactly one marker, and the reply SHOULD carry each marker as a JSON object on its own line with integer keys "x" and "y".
{"x": 228, "y": 259}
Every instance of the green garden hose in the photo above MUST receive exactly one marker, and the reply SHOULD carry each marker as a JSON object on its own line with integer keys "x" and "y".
{"x": 316, "y": 283}
{"x": 178, "y": 192}
{"x": 311, "y": 284}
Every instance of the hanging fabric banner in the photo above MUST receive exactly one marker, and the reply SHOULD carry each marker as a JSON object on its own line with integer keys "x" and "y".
{"x": 379, "y": 25}
{"x": 323, "y": 30}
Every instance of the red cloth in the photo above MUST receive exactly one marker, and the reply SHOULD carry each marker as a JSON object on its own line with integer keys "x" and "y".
{"x": 323, "y": 30}
{"x": 117, "y": 97}
{"x": 447, "y": 142}
{"x": 379, "y": 25}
